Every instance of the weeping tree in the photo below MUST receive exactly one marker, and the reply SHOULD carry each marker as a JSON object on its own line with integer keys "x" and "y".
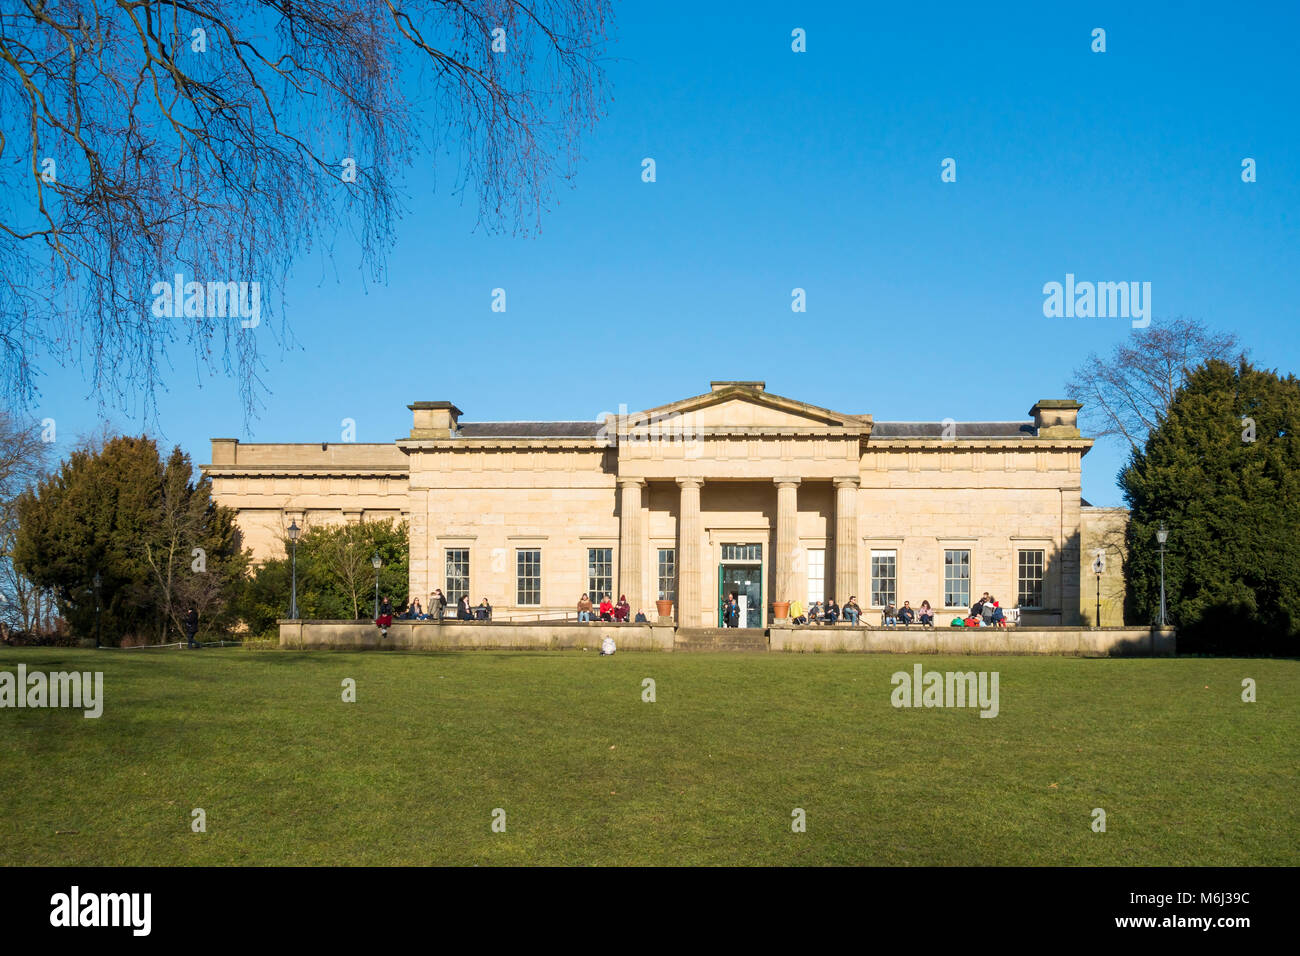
{"x": 163, "y": 161}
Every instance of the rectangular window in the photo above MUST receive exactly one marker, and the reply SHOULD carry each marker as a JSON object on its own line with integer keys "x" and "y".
{"x": 884, "y": 578}
{"x": 457, "y": 584}
{"x": 528, "y": 577}
{"x": 668, "y": 574}
{"x": 742, "y": 552}
{"x": 956, "y": 578}
{"x": 600, "y": 573}
{"x": 1029, "y": 579}
{"x": 816, "y": 574}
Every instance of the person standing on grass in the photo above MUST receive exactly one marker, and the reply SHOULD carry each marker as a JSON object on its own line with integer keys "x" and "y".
{"x": 191, "y": 627}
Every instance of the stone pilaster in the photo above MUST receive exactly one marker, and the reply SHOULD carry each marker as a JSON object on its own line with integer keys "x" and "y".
{"x": 847, "y": 542}
{"x": 787, "y": 537}
{"x": 631, "y": 542}
{"x": 689, "y": 563}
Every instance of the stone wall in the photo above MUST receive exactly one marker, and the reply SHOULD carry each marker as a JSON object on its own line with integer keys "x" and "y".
{"x": 429, "y": 636}
{"x": 1065, "y": 641}
{"x": 421, "y": 635}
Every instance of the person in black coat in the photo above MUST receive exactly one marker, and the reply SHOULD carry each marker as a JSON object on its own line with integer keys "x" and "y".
{"x": 191, "y": 627}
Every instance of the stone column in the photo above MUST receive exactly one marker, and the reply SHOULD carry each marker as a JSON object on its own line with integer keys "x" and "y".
{"x": 787, "y": 537}
{"x": 630, "y": 542}
{"x": 689, "y": 568}
{"x": 846, "y": 538}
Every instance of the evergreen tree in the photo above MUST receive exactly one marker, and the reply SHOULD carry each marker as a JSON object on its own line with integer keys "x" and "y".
{"x": 1221, "y": 471}
{"x": 119, "y": 512}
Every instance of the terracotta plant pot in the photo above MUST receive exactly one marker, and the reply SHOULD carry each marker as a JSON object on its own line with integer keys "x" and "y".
{"x": 665, "y": 608}
{"x": 781, "y": 610}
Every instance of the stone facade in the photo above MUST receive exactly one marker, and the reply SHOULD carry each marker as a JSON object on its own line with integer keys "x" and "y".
{"x": 734, "y": 488}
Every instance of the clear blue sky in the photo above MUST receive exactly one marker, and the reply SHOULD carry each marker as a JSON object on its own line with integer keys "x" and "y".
{"x": 822, "y": 170}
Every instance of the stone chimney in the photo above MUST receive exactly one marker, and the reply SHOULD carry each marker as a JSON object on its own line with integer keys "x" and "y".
{"x": 434, "y": 419}
{"x": 1056, "y": 417}
{"x": 224, "y": 451}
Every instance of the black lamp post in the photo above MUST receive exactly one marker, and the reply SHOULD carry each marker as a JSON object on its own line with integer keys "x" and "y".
{"x": 1162, "y": 536}
{"x": 1098, "y": 566}
{"x": 98, "y": 581}
{"x": 1099, "y": 598}
{"x": 294, "y": 531}
{"x": 376, "y": 562}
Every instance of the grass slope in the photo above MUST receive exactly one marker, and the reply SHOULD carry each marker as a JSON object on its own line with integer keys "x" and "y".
{"x": 588, "y": 773}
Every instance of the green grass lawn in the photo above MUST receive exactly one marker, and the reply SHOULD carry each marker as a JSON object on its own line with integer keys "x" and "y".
{"x": 588, "y": 773}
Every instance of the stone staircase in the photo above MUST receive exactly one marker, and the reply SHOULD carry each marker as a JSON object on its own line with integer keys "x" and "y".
{"x": 720, "y": 639}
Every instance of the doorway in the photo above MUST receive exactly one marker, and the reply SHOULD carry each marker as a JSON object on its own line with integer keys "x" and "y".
{"x": 744, "y": 575}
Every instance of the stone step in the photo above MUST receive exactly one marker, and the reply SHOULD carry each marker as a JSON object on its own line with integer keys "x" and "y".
{"x": 721, "y": 648}
{"x": 720, "y": 639}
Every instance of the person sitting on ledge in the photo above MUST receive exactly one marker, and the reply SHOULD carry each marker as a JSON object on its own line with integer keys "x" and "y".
{"x": 483, "y": 612}
{"x": 927, "y": 614}
{"x": 622, "y": 609}
{"x": 437, "y": 604}
{"x": 852, "y": 611}
{"x": 640, "y": 618}
{"x": 815, "y": 613}
{"x": 889, "y": 617}
{"x": 797, "y": 615}
{"x": 463, "y": 612}
{"x": 905, "y": 614}
{"x": 584, "y": 608}
{"x": 997, "y": 618}
{"x": 832, "y": 612}
{"x": 606, "y": 609}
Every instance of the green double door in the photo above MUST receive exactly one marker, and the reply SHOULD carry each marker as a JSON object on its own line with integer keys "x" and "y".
{"x": 747, "y": 581}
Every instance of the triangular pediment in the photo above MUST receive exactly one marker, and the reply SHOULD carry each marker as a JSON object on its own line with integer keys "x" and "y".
{"x": 749, "y": 408}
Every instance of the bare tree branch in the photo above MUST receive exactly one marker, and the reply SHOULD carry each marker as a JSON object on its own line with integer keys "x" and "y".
{"x": 1128, "y": 393}
{"x": 142, "y": 139}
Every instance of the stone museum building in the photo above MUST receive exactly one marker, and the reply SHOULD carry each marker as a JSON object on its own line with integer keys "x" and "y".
{"x": 735, "y": 489}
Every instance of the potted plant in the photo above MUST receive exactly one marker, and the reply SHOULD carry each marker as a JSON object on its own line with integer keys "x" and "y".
{"x": 781, "y": 610}
{"x": 665, "y": 608}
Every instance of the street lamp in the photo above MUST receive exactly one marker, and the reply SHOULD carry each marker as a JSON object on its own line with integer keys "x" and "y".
{"x": 1162, "y": 536}
{"x": 376, "y": 562}
{"x": 1098, "y": 566}
{"x": 98, "y": 581}
{"x": 294, "y": 531}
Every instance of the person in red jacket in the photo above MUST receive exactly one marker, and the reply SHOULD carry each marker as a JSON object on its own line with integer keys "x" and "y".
{"x": 622, "y": 609}
{"x": 606, "y": 609}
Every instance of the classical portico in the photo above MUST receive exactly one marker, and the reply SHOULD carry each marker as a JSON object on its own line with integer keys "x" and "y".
{"x": 733, "y": 489}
